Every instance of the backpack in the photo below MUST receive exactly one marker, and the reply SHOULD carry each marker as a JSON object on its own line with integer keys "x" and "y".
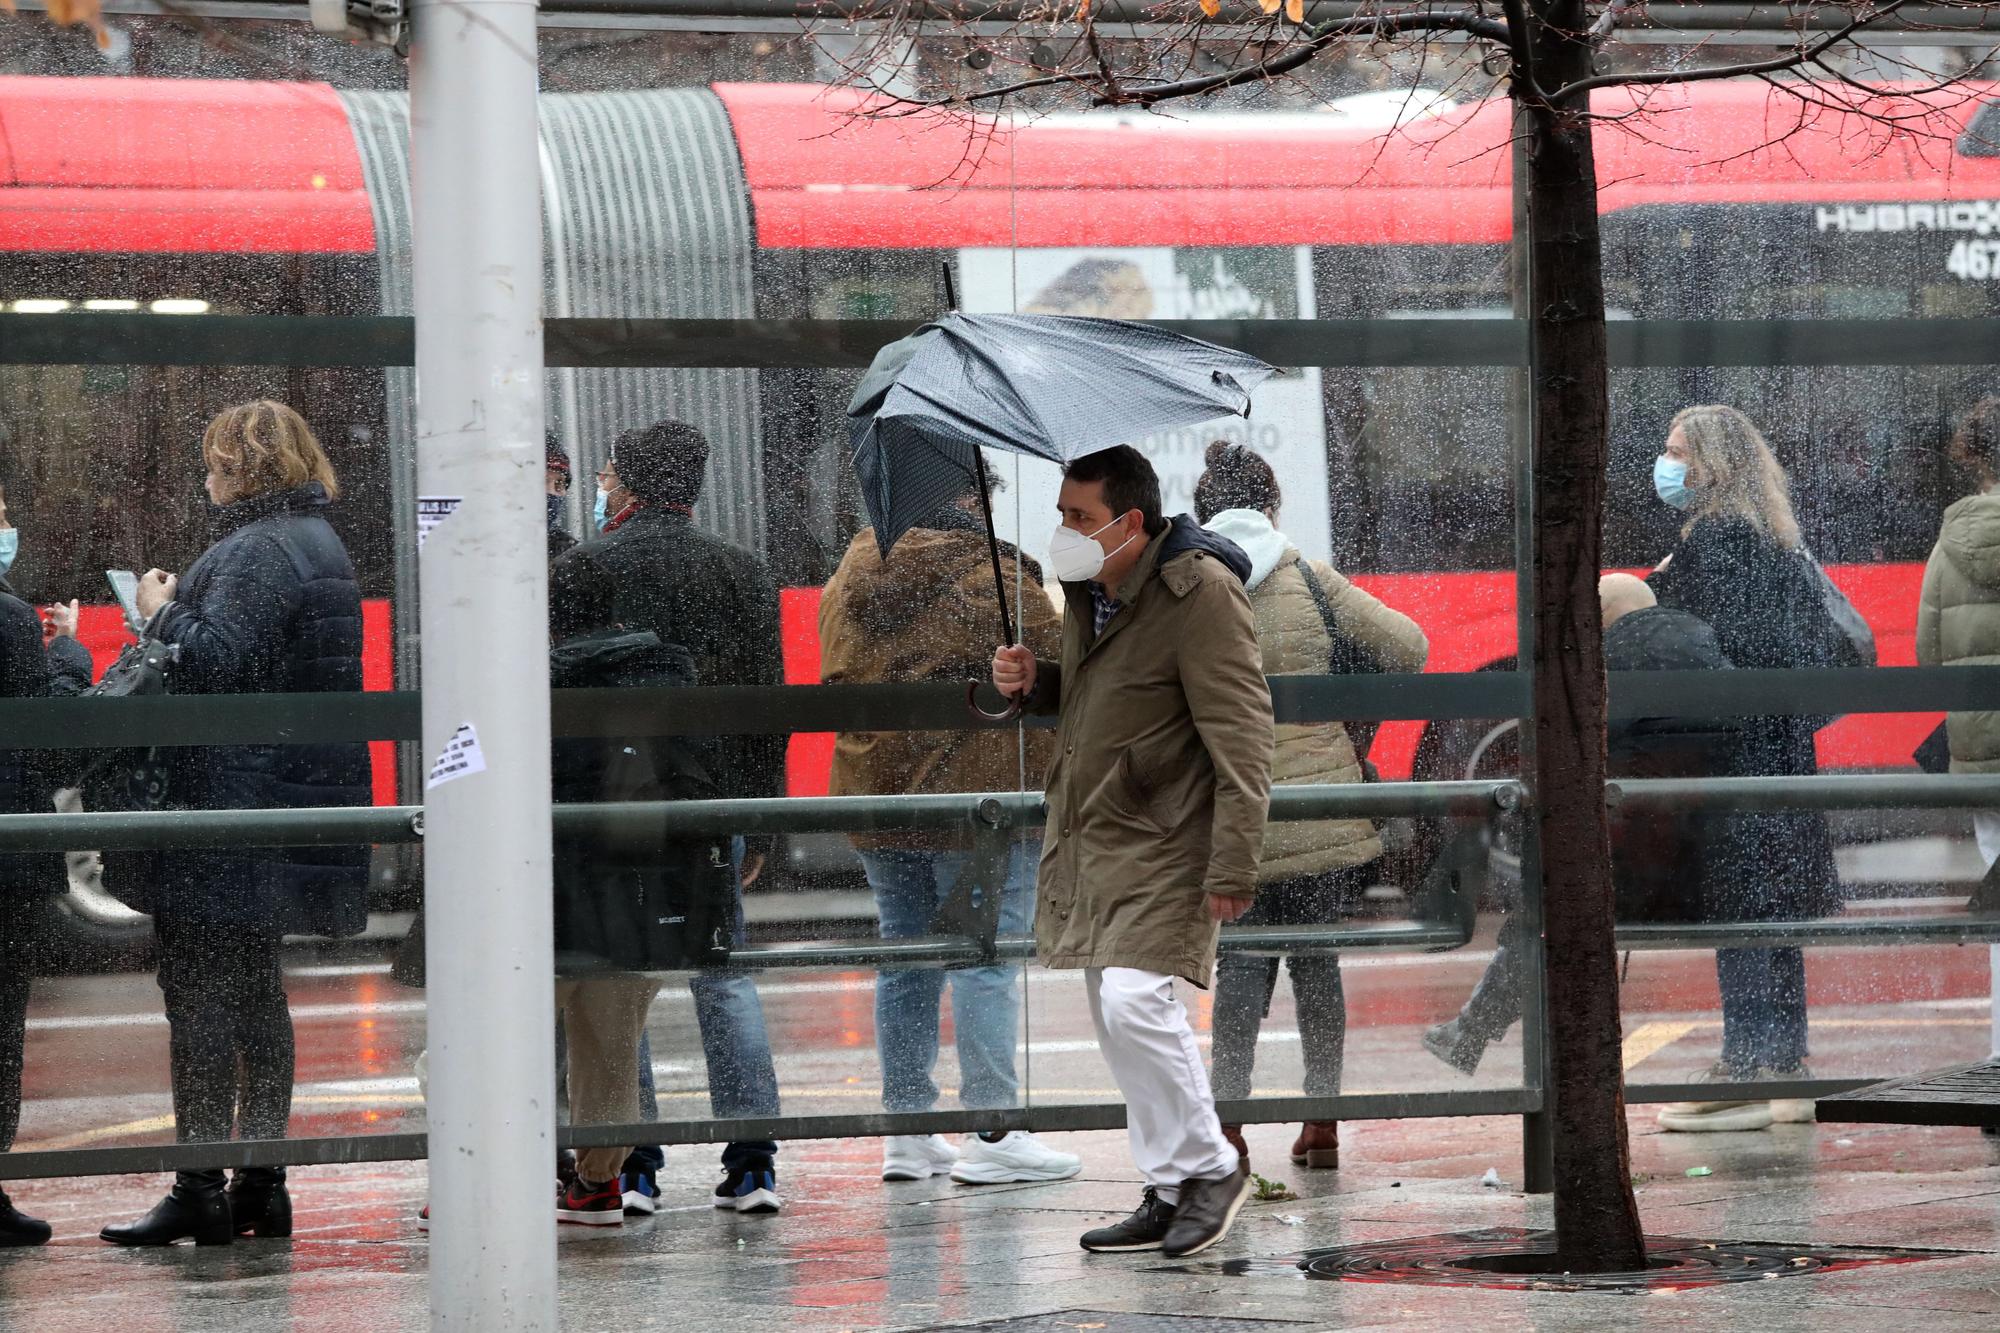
{"x": 645, "y": 902}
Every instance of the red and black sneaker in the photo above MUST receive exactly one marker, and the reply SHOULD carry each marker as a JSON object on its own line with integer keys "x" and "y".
{"x": 592, "y": 1205}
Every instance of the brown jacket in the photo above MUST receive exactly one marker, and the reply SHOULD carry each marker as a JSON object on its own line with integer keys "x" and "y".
{"x": 1162, "y": 774}
{"x": 927, "y": 613}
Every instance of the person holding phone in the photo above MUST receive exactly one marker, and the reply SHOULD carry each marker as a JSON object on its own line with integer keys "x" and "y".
{"x": 273, "y": 607}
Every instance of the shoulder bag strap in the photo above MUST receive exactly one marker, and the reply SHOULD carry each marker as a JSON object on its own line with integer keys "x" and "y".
{"x": 1345, "y": 657}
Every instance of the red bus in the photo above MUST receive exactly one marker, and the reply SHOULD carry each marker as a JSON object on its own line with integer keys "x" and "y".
{"x": 740, "y": 201}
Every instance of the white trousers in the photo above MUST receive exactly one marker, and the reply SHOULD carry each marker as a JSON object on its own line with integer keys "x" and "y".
{"x": 1143, "y": 1032}
{"x": 1986, "y": 828}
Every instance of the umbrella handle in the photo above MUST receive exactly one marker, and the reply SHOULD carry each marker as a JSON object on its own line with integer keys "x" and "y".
{"x": 1008, "y": 714}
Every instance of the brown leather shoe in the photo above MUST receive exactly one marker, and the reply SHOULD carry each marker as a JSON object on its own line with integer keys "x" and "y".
{"x": 1234, "y": 1133}
{"x": 1318, "y": 1145}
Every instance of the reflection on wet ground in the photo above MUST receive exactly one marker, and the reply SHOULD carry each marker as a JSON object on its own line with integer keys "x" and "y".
{"x": 850, "y": 1252}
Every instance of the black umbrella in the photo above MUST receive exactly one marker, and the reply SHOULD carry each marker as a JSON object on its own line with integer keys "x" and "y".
{"x": 1050, "y": 386}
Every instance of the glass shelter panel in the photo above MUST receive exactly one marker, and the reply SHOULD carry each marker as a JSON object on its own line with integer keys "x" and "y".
{"x": 886, "y": 967}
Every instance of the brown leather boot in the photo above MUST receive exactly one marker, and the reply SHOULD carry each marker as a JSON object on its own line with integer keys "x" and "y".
{"x": 1318, "y": 1145}
{"x": 1234, "y": 1133}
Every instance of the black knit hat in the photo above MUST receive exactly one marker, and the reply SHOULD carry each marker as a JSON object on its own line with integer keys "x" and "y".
{"x": 557, "y": 456}
{"x": 663, "y": 464}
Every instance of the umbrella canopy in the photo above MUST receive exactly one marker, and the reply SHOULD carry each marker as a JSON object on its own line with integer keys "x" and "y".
{"x": 1050, "y": 386}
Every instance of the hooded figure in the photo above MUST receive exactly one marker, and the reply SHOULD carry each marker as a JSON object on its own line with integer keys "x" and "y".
{"x": 1310, "y": 621}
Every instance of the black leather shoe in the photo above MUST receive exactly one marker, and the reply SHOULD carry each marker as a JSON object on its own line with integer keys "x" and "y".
{"x": 17, "y": 1229}
{"x": 1143, "y": 1230}
{"x": 1206, "y": 1211}
{"x": 259, "y": 1204}
{"x": 196, "y": 1209}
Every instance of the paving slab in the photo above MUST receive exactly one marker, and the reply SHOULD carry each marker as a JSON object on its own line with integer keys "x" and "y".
{"x": 853, "y": 1253}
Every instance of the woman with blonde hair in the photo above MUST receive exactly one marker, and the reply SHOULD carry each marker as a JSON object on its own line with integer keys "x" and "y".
{"x": 1741, "y": 567}
{"x": 272, "y": 607}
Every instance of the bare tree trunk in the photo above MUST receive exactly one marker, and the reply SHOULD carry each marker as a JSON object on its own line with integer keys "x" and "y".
{"x": 1597, "y": 1220}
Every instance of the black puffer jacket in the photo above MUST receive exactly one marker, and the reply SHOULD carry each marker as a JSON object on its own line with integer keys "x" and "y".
{"x": 27, "y": 777}
{"x": 658, "y": 571}
{"x": 1764, "y": 604}
{"x": 273, "y": 607}
{"x": 1671, "y": 865}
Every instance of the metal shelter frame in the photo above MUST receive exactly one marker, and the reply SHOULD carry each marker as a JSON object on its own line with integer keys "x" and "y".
{"x": 480, "y": 351}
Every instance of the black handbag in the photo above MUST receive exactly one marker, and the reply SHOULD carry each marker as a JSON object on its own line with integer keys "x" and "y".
{"x": 1346, "y": 656}
{"x": 132, "y": 778}
{"x": 1845, "y": 639}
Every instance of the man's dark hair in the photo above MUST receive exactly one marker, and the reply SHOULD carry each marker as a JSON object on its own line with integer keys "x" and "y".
{"x": 1129, "y": 483}
{"x": 664, "y": 464}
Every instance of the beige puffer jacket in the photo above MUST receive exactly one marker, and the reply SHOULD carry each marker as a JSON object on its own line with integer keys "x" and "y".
{"x": 1295, "y": 643}
{"x": 1958, "y": 621}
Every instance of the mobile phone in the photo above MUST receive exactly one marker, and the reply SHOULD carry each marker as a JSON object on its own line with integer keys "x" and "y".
{"x": 125, "y": 587}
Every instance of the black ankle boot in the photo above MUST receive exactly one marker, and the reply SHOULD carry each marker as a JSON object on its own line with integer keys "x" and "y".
{"x": 259, "y": 1204}
{"x": 196, "y": 1209}
{"x": 17, "y": 1229}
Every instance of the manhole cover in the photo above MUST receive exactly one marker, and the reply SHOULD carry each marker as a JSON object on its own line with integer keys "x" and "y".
{"x": 1121, "y": 1321}
{"x": 1506, "y": 1258}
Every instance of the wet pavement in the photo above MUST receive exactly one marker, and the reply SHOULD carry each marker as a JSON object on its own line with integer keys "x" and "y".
{"x": 850, "y": 1252}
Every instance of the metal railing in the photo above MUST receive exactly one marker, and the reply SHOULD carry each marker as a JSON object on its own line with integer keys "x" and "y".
{"x": 996, "y": 819}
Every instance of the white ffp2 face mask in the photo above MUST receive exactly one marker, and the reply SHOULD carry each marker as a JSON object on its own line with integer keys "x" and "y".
{"x": 1075, "y": 557}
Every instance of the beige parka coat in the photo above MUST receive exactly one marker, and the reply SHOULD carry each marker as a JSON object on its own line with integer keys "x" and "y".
{"x": 1161, "y": 780}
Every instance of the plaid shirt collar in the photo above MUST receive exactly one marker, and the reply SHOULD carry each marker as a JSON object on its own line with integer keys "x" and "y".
{"x": 1102, "y": 608}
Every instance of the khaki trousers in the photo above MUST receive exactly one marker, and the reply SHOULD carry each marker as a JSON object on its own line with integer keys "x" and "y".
{"x": 602, "y": 1019}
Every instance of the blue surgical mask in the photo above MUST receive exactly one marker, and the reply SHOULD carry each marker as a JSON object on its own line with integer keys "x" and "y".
{"x": 10, "y": 546}
{"x": 1670, "y": 481}
{"x": 555, "y": 510}
{"x": 600, "y": 513}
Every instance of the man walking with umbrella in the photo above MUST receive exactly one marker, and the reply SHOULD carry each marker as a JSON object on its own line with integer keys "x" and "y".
{"x": 1157, "y": 798}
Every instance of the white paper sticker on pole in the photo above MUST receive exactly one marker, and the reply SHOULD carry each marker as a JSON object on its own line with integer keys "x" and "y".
{"x": 433, "y": 510}
{"x": 461, "y": 758}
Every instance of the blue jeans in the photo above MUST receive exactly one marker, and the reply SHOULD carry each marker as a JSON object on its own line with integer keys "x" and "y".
{"x": 741, "y": 1078}
{"x": 1763, "y": 1008}
{"x": 985, "y": 1001}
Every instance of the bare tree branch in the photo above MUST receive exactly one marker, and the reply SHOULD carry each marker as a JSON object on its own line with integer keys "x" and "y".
{"x": 1379, "y": 27}
{"x": 1806, "y": 55}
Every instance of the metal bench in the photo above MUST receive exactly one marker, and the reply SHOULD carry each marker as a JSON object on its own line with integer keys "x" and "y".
{"x": 1961, "y": 1095}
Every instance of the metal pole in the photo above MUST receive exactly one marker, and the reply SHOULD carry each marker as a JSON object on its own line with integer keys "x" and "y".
{"x": 1537, "y": 1127}
{"x": 477, "y": 258}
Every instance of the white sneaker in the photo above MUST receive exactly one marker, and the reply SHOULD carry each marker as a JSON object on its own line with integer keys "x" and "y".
{"x": 1792, "y": 1110}
{"x": 1016, "y": 1159}
{"x": 916, "y": 1156}
{"x": 1716, "y": 1117}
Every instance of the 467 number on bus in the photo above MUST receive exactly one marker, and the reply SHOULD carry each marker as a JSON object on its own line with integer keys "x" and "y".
{"x": 1975, "y": 261}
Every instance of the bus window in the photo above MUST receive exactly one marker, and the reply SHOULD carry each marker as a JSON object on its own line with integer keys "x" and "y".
{"x": 1418, "y": 457}
{"x": 1864, "y": 444}
{"x": 814, "y": 506}
{"x": 102, "y": 464}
